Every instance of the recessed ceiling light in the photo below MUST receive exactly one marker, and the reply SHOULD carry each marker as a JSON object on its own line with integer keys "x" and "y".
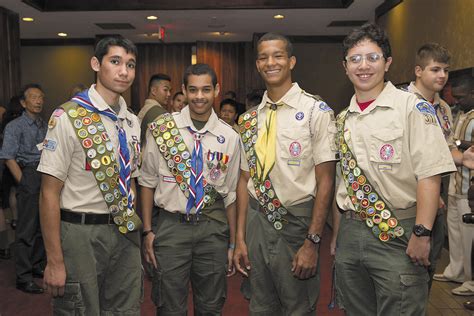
{"x": 27, "y": 19}
{"x": 62, "y": 34}
{"x": 278, "y": 16}
{"x": 152, "y": 17}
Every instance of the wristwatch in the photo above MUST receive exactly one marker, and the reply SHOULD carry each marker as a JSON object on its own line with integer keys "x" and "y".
{"x": 146, "y": 232}
{"x": 420, "y": 230}
{"x": 314, "y": 238}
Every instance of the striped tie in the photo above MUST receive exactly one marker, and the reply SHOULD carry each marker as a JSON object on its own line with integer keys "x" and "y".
{"x": 196, "y": 188}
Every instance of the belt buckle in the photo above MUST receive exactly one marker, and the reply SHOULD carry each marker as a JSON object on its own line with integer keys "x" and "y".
{"x": 190, "y": 219}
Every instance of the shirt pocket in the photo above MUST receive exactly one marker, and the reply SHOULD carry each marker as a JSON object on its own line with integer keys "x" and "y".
{"x": 294, "y": 144}
{"x": 386, "y": 146}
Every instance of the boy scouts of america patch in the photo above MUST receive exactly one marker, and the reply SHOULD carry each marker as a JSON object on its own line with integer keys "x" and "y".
{"x": 299, "y": 116}
{"x": 324, "y": 107}
{"x": 428, "y": 112}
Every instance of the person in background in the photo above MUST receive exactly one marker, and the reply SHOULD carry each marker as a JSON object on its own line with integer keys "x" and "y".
{"x": 21, "y": 149}
{"x": 179, "y": 102}
{"x": 229, "y": 113}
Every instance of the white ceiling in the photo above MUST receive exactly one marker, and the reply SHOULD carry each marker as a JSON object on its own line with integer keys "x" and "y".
{"x": 190, "y": 25}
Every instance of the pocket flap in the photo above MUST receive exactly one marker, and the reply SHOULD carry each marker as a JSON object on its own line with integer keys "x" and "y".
{"x": 388, "y": 134}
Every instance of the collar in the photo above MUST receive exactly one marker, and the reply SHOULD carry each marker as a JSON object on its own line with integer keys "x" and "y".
{"x": 28, "y": 119}
{"x": 291, "y": 97}
{"x": 413, "y": 89}
{"x": 384, "y": 99}
{"x": 100, "y": 103}
{"x": 183, "y": 119}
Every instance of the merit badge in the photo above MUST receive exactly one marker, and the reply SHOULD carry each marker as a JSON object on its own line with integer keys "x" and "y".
{"x": 99, "y": 175}
{"x": 95, "y": 117}
{"x": 295, "y": 149}
{"x": 49, "y": 144}
{"x": 87, "y": 143}
{"x": 221, "y": 139}
{"x": 92, "y": 129}
{"x": 91, "y": 153}
{"x": 77, "y": 123}
{"x": 386, "y": 152}
{"x": 81, "y": 111}
{"x": 72, "y": 113}
{"x": 86, "y": 121}
{"x": 95, "y": 163}
{"x": 299, "y": 116}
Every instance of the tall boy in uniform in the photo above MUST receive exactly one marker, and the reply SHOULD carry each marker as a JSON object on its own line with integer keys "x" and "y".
{"x": 432, "y": 73}
{"x": 289, "y": 150}
{"x": 392, "y": 156}
{"x": 88, "y": 220}
{"x": 190, "y": 169}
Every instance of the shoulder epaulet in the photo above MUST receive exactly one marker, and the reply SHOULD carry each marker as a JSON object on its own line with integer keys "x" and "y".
{"x": 224, "y": 122}
{"x": 314, "y": 96}
{"x": 68, "y": 105}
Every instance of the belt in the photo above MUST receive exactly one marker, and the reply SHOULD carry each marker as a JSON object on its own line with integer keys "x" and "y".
{"x": 185, "y": 218}
{"x": 86, "y": 218}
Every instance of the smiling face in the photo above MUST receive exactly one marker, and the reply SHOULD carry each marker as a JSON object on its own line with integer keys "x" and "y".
{"x": 116, "y": 72}
{"x": 433, "y": 77}
{"x": 366, "y": 76}
{"x": 200, "y": 94}
{"x": 274, "y": 64}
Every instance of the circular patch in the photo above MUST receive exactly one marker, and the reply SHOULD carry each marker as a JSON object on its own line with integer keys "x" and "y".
{"x": 109, "y": 197}
{"x": 373, "y": 197}
{"x": 371, "y": 211}
{"x": 166, "y": 135}
{"x": 101, "y": 149}
{"x": 86, "y": 121}
{"x": 81, "y": 111}
{"x": 170, "y": 124}
{"x": 384, "y": 236}
{"x": 399, "y": 231}
{"x": 118, "y": 220}
{"x": 82, "y": 133}
{"x": 214, "y": 174}
{"x": 386, "y": 152}
{"x": 181, "y": 147}
{"x": 355, "y": 186}
{"x": 379, "y": 205}
{"x": 130, "y": 225}
{"x": 221, "y": 139}
{"x": 173, "y": 150}
{"x": 113, "y": 209}
{"x": 87, "y": 143}
{"x": 174, "y": 131}
{"x": 72, "y": 113}
{"x": 105, "y": 136}
{"x": 361, "y": 180}
{"x": 100, "y": 127}
{"x": 95, "y": 163}
{"x": 369, "y": 222}
{"x": 377, "y": 219}
{"x": 92, "y": 129}
{"x": 97, "y": 139}
{"x": 278, "y": 225}
{"x": 170, "y": 142}
{"x": 295, "y": 149}
{"x": 105, "y": 160}
{"x": 299, "y": 116}
{"x": 359, "y": 194}
{"x": 385, "y": 214}
{"x": 383, "y": 226}
{"x": 367, "y": 188}
{"x": 104, "y": 186}
{"x": 356, "y": 171}
{"x": 109, "y": 146}
{"x": 352, "y": 163}
{"x": 181, "y": 167}
{"x": 99, "y": 175}
{"x": 392, "y": 222}
{"x": 364, "y": 203}
{"x": 95, "y": 117}
{"x": 77, "y": 123}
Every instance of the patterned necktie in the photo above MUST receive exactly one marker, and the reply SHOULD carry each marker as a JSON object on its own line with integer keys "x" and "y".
{"x": 196, "y": 188}
{"x": 124, "y": 154}
{"x": 266, "y": 143}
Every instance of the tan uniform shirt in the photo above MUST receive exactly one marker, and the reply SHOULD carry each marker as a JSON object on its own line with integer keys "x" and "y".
{"x": 305, "y": 138}
{"x": 147, "y": 105}
{"x": 443, "y": 112}
{"x": 396, "y": 141}
{"x": 219, "y": 138}
{"x": 65, "y": 158}
{"x": 464, "y": 131}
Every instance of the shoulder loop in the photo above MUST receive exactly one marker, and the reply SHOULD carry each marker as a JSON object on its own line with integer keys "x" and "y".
{"x": 314, "y": 96}
{"x": 68, "y": 106}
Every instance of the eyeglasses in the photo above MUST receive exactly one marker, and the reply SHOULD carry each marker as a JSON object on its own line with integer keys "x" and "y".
{"x": 357, "y": 59}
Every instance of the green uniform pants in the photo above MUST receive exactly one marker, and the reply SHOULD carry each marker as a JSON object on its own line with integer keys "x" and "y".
{"x": 375, "y": 277}
{"x": 273, "y": 288}
{"x": 190, "y": 252}
{"x": 103, "y": 272}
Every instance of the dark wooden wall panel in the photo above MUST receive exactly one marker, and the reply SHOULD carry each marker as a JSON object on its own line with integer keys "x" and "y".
{"x": 170, "y": 59}
{"x": 9, "y": 55}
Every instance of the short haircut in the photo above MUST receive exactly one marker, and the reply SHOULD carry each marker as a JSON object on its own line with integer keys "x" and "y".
{"x": 157, "y": 78}
{"x": 102, "y": 47}
{"x": 232, "y": 94}
{"x": 371, "y": 32}
{"x": 29, "y": 86}
{"x": 254, "y": 98}
{"x": 199, "y": 70}
{"x": 177, "y": 94}
{"x": 432, "y": 51}
{"x": 230, "y": 102}
{"x": 276, "y": 37}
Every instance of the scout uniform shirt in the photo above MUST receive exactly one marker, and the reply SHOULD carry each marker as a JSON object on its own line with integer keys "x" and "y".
{"x": 63, "y": 156}
{"x": 305, "y": 138}
{"x": 219, "y": 138}
{"x": 464, "y": 131}
{"x": 150, "y": 111}
{"x": 396, "y": 141}
{"x": 443, "y": 112}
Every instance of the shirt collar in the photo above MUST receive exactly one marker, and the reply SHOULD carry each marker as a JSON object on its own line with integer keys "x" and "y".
{"x": 101, "y": 105}
{"x": 291, "y": 97}
{"x": 29, "y": 119}
{"x": 412, "y": 88}
{"x": 384, "y": 99}
{"x": 183, "y": 119}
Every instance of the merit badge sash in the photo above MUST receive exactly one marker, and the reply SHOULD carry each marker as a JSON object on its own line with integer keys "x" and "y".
{"x": 368, "y": 204}
{"x": 101, "y": 158}
{"x": 178, "y": 158}
{"x": 264, "y": 190}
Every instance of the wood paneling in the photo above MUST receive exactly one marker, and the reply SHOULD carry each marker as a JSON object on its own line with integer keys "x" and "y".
{"x": 170, "y": 59}
{"x": 9, "y": 55}
{"x": 234, "y": 64}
